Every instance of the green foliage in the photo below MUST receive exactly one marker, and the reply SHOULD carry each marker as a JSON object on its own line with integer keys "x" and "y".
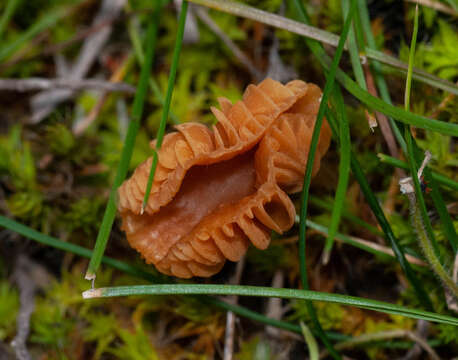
{"x": 136, "y": 345}
{"x": 331, "y": 316}
{"x": 84, "y": 214}
{"x": 49, "y": 324}
{"x": 187, "y": 100}
{"x": 101, "y": 329}
{"x": 255, "y": 349}
{"x": 16, "y": 160}
{"x": 332, "y": 14}
{"x": 9, "y": 307}
{"x": 60, "y": 139}
{"x": 26, "y": 204}
{"x": 440, "y": 57}
{"x": 269, "y": 260}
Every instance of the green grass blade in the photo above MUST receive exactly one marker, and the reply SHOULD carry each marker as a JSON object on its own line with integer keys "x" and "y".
{"x": 168, "y": 98}
{"x": 327, "y": 205}
{"x": 448, "y": 229}
{"x": 46, "y": 21}
{"x": 140, "y": 56}
{"x": 310, "y": 341}
{"x": 441, "y": 179}
{"x": 8, "y": 12}
{"x": 310, "y": 160}
{"x": 353, "y": 49}
{"x": 244, "y": 290}
{"x": 344, "y": 173}
{"x": 411, "y": 60}
{"x": 137, "y": 111}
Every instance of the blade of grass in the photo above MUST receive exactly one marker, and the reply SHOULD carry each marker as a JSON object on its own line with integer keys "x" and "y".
{"x": 244, "y": 290}
{"x": 346, "y": 214}
{"x": 44, "y": 22}
{"x": 8, "y": 12}
{"x": 442, "y": 179}
{"x": 344, "y": 173}
{"x": 310, "y": 341}
{"x": 309, "y": 167}
{"x": 168, "y": 98}
{"x": 136, "y": 44}
{"x": 316, "y": 34}
{"x": 137, "y": 111}
{"x": 353, "y": 50}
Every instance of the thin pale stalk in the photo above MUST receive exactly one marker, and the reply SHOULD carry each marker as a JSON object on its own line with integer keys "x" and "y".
{"x": 8, "y": 12}
{"x": 168, "y": 98}
{"x": 127, "y": 150}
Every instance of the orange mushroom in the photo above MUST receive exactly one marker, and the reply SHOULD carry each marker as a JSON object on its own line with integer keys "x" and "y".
{"x": 216, "y": 190}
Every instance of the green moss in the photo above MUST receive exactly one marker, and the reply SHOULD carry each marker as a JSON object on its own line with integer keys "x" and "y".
{"x": 9, "y": 307}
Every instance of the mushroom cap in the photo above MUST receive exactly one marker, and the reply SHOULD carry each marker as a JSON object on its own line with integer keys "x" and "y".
{"x": 216, "y": 190}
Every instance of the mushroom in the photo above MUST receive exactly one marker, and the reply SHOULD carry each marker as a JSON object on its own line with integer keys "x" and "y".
{"x": 217, "y": 190}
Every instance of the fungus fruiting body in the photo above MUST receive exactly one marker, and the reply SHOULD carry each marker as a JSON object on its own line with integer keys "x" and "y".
{"x": 217, "y": 190}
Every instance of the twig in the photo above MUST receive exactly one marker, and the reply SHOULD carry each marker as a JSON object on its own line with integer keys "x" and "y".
{"x": 277, "y": 70}
{"x": 202, "y": 14}
{"x": 191, "y": 30}
{"x": 27, "y": 287}
{"x": 30, "y": 84}
{"x": 230, "y": 317}
{"x": 85, "y": 122}
{"x": 44, "y": 103}
{"x": 274, "y": 308}
{"x": 385, "y": 127}
{"x": 421, "y": 332}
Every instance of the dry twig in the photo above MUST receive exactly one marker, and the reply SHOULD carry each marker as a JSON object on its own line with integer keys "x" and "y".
{"x": 44, "y": 102}
{"x": 27, "y": 286}
{"x": 30, "y": 84}
{"x": 202, "y": 14}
